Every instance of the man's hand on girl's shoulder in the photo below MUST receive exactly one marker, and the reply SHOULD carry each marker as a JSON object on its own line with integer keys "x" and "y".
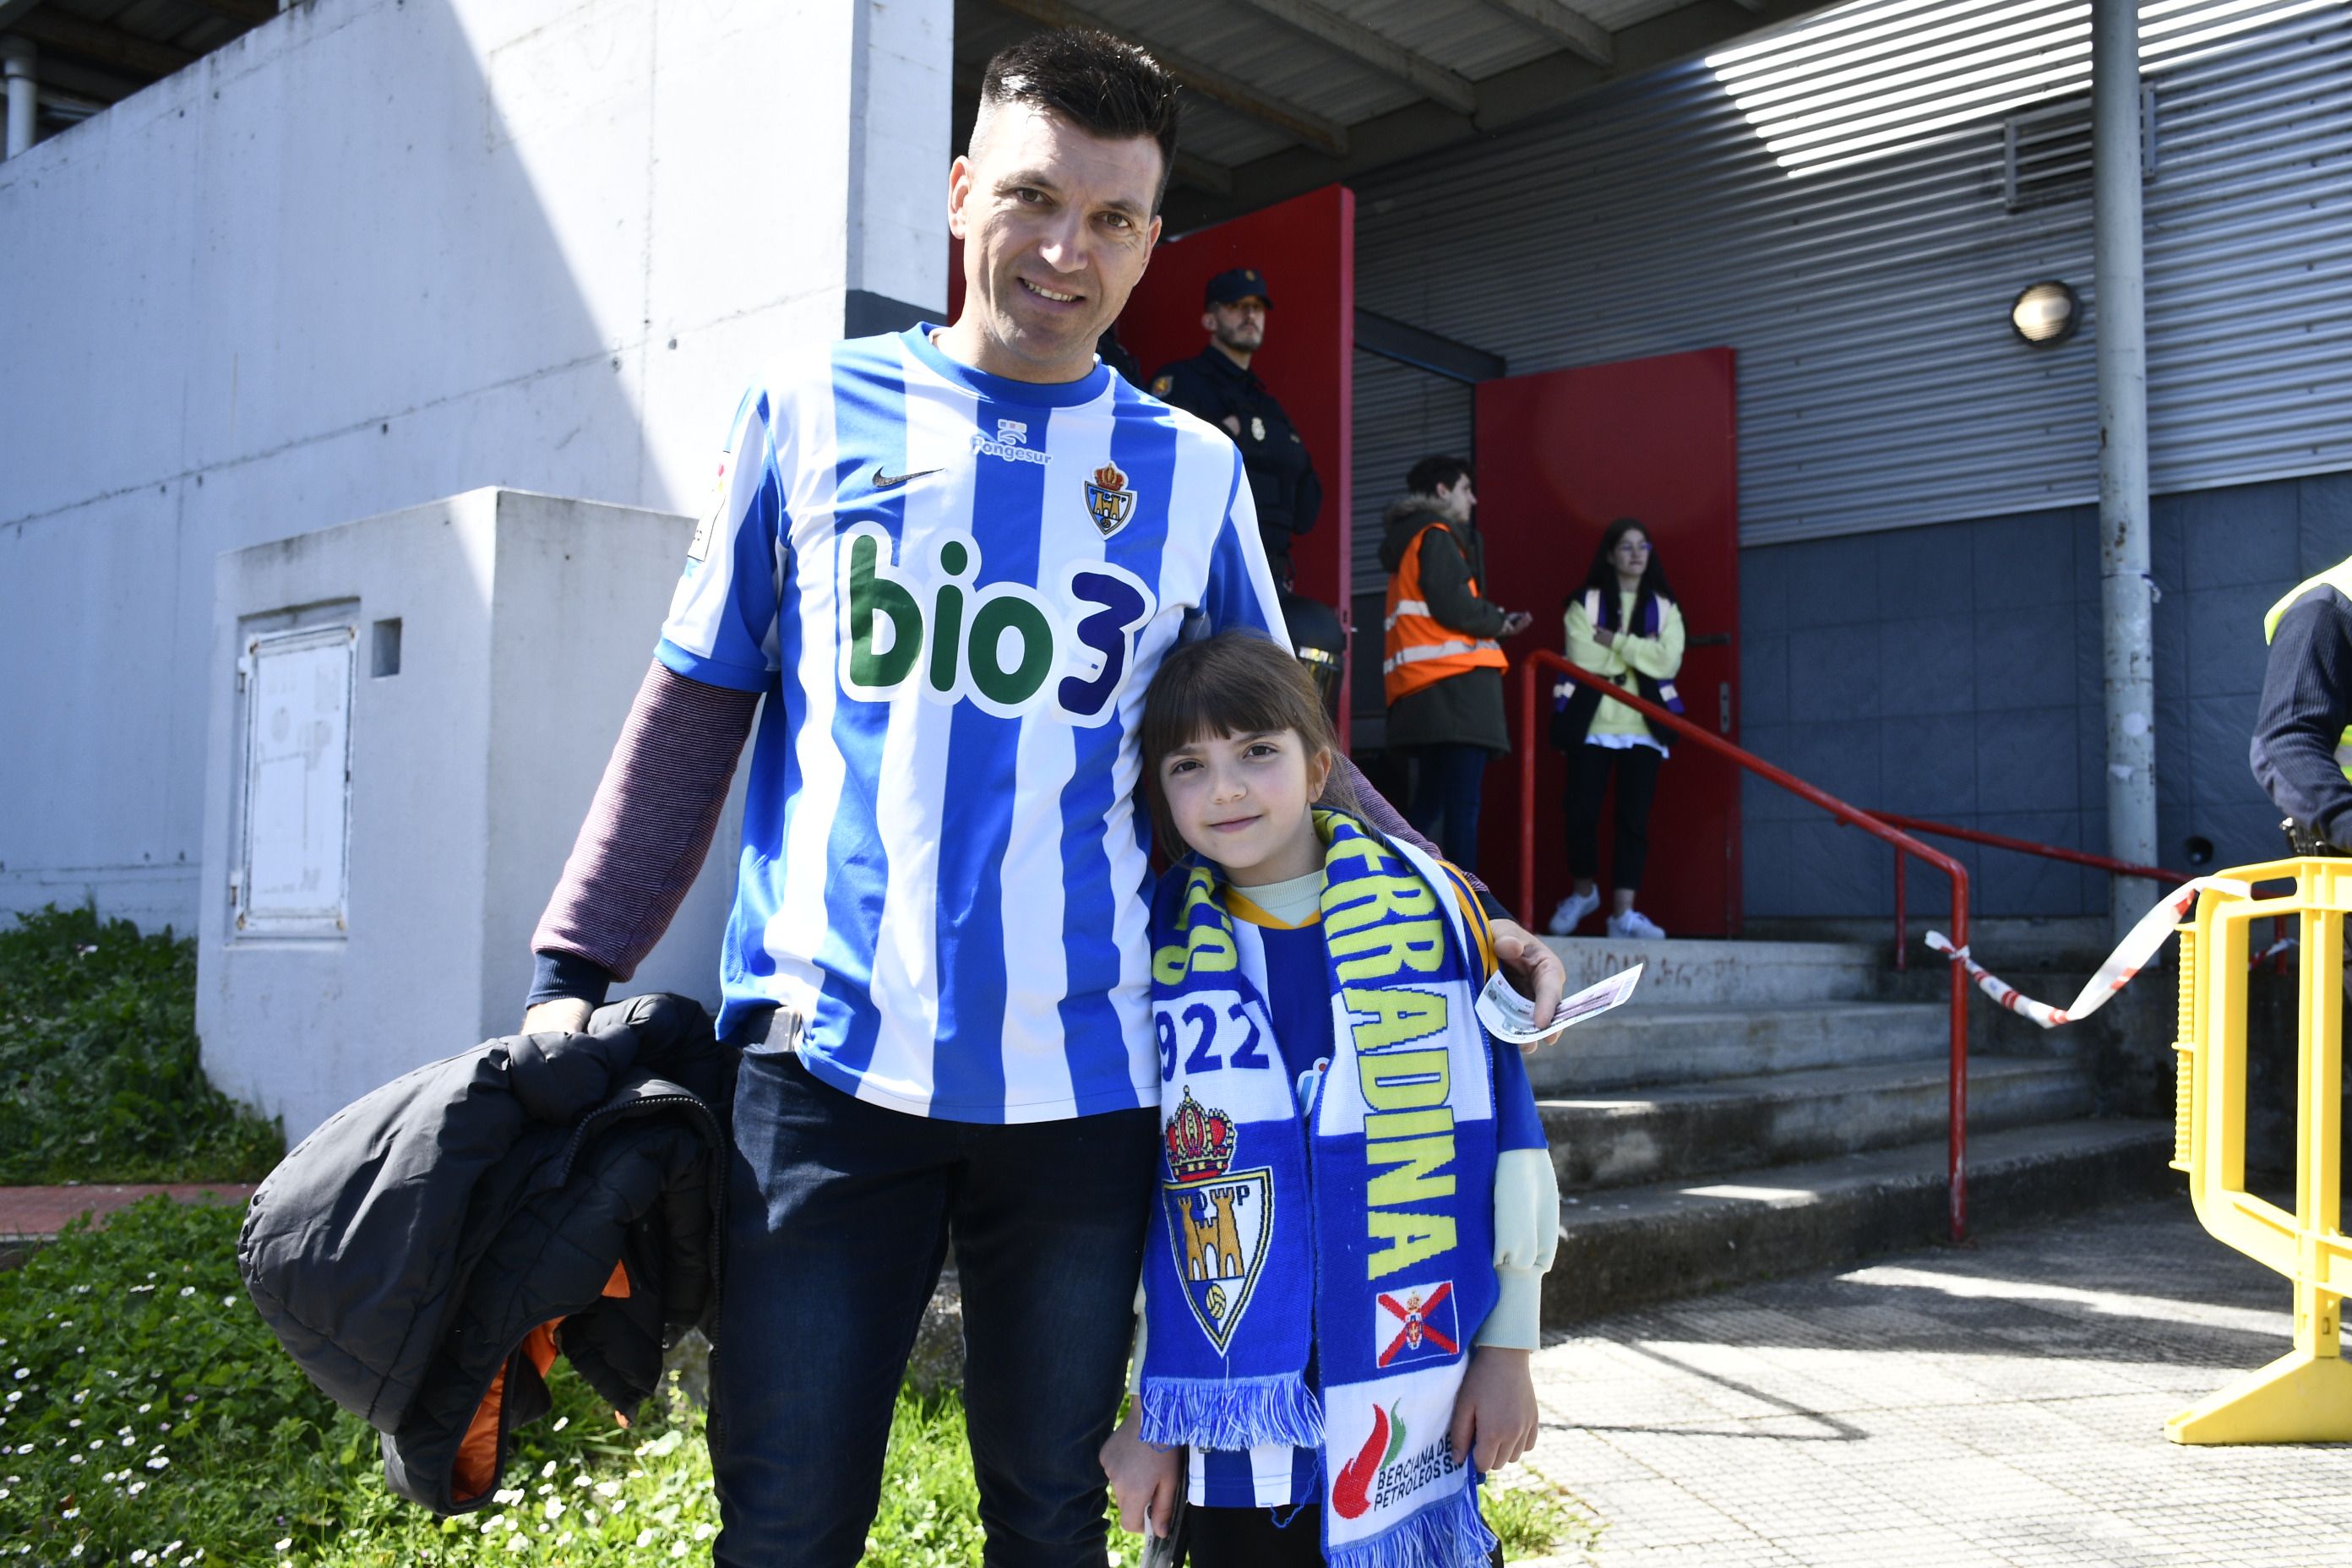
{"x": 1535, "y": 973}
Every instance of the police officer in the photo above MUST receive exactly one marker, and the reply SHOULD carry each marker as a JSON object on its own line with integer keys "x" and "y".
{"x": 2302, "y": 751}
{"x": 1217, "y": 386}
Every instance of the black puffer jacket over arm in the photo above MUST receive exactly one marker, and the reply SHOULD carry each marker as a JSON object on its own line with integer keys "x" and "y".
{"x": 404, "y": 1251}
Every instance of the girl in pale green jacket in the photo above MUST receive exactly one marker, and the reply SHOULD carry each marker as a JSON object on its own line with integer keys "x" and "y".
{"x": 1623, "y": 624}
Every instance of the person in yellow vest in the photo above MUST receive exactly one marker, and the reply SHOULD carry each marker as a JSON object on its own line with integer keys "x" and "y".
{"x": 1442, "y": 666}
{"x": 2302, "y": 751}
{"x": 1622, "y": 624}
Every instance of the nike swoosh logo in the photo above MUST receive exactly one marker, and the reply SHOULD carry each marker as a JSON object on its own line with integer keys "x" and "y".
{"x": 883, "y": 481}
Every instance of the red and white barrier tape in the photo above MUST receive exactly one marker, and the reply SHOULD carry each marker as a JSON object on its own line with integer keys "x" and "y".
{"x": 2131, "y": 955}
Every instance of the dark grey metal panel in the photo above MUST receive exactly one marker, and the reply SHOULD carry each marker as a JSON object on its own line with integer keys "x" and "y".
{"x": 1402, "y": 415}
{"x": 1879, "y": 383}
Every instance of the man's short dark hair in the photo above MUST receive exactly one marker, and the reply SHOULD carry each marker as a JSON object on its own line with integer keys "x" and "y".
{"x": 1433, "y": 471}
{"x": 1104, "y": 85}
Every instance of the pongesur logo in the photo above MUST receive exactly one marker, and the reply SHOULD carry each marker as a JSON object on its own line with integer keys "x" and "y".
{"x": 1007, "y": 647}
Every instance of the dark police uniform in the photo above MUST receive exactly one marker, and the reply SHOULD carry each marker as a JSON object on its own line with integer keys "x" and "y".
{"x": 1281, "y": 473}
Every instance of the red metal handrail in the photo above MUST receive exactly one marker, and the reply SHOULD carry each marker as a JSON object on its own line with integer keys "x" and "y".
{"x": 2003, "y": 841}
{"x": 1876, "y": 827}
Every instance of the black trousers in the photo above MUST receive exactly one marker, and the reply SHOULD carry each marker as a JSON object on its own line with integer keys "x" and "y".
{"x": 1445, "y": 792}
{"x": 1248, "y": 1537}
{"x": 839, "y": 1211}
{"x": 1637, "y": 768}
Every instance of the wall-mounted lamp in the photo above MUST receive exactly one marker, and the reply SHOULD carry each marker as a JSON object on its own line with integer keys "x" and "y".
{"x": 2046, "y": 313}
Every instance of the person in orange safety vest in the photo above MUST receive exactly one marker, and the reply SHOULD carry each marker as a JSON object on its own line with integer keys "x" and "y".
{"x": 1443, "y": 659}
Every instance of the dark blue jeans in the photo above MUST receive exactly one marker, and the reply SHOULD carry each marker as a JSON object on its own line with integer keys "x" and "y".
{"x": 1446, "y": 799}
{"x": 839, "y": 1213}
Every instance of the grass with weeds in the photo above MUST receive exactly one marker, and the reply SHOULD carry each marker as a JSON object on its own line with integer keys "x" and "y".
{"x": 150, "y": 1418}
{"x": 99, "y": 1074}
{"x": 1535, "y": 1516}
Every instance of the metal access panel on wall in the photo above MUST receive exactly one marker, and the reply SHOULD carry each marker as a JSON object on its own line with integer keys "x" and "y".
{"x": 294, "y": 769}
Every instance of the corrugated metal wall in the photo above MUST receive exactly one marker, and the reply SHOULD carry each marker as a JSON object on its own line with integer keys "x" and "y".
{"x": 1416, "y": 413}
{"x": 1880, "y": 385}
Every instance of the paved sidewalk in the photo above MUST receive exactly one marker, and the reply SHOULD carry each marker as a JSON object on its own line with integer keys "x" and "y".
{"x": 35, "y": 1213}
{"x": 2000, "y": 1405}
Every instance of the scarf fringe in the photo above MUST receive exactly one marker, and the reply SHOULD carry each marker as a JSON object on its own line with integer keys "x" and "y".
{"x": 1449, "y": 1534}
{"x": 1232, "y": 1413}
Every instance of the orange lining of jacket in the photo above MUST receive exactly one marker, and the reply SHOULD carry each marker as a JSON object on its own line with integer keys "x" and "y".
{"x": 477, "y": 1455}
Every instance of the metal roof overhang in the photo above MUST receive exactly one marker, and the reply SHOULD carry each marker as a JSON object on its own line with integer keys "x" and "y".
{"x": 1284, "y": 96}
{"x": 93, "y": 54}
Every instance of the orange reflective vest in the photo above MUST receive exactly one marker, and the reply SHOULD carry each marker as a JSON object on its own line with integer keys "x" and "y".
{"x": 1418, "y": 650}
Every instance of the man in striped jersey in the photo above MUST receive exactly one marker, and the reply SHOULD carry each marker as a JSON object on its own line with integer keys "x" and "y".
{"x": 950, "y": 560}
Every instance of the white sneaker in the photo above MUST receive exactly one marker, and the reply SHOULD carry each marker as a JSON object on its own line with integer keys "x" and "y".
{"x": 1576, "y": 906}
{"x": 1635, "y": 925}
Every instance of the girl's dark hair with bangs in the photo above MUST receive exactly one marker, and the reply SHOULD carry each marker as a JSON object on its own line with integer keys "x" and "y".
{"x": 1231, "y": 683}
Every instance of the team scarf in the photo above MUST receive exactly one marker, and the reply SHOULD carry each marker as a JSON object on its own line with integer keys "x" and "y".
{"x": 1357, "y": 1237}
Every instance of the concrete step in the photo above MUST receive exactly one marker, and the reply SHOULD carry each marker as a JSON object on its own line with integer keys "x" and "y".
{"x": 1661, "y": 1134}
{"x": 1631, "y": 1245}
{"x": 1687, "y": 971}
{"x": 1667, "y": 1044}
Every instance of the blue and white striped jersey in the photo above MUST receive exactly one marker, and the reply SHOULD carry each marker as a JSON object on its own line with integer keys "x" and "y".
{"x": 953, "y": 589}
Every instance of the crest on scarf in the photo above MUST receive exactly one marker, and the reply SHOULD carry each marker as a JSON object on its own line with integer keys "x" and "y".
{"x": 1415, "y": 1323}
{"x": 1108, "y": 500}
{"x": 1219, "y": 1219}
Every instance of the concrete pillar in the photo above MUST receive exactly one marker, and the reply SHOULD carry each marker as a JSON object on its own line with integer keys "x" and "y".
{"x": 2126, "y": 593}
{"x": 18, "y": 60}
{"x": 902, "y": 58}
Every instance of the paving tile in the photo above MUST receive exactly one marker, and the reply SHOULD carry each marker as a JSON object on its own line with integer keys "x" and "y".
{"x": 2001, "y": 1406}
{"x": 29, "y": 1214}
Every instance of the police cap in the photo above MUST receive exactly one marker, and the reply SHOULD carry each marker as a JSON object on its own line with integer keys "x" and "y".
{"x": 1239, "y": 283}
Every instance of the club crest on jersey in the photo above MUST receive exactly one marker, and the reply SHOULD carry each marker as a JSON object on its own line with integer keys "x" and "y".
{"x": 1414, "y": 1323}
{"x": 1108, "y": 500}
{"x": 1219, "y": 1219}
{"x": 926, "y": 623}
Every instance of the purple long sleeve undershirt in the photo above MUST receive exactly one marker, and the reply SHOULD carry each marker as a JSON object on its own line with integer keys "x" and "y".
{"x": 649, "y": 828}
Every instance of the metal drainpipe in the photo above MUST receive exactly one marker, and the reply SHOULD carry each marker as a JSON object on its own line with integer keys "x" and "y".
{"x": 18, "y": 57}
{"x": 2126, "y": 593}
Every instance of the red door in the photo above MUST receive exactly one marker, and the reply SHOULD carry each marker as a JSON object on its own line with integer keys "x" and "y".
{"x": 1560, "y": 456}
{"x": 1307, "y": 249}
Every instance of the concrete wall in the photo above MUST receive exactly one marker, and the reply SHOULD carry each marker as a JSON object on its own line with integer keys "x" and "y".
{"x": 1954, "y": 672}
{"x": 469, "y": 770}
{"x": 379, "y": 251}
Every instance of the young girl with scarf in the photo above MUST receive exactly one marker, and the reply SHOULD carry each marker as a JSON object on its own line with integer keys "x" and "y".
{"x": 1355, "y": 1208}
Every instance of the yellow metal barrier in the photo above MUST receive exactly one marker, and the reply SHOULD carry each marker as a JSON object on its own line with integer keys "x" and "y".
{"x": 2306, "y": 1395}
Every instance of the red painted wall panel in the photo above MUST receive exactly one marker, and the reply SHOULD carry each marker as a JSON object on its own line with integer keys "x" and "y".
{"x": 1560, "y": 456}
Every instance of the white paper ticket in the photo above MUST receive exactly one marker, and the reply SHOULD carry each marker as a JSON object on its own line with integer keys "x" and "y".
{"x": 1511, "y": 1016}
